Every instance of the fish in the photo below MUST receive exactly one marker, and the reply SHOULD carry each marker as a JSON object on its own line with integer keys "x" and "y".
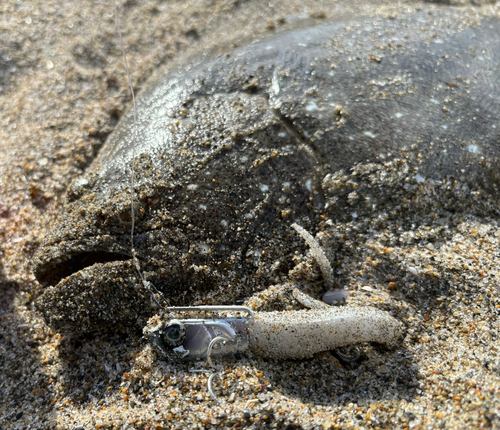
{"x": 229, "y": 151}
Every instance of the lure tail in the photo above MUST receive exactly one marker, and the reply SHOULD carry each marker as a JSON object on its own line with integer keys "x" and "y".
{"x": 301, "y": 334}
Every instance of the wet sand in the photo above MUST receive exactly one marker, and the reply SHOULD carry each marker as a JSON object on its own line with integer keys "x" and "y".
{"x": 63, "y": 88}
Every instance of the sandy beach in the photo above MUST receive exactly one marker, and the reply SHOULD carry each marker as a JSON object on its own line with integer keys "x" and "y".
{"x": 63, "y": 88}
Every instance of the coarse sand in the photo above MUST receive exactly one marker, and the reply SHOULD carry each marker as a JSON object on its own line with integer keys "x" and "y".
{"x": 63, "y": 88}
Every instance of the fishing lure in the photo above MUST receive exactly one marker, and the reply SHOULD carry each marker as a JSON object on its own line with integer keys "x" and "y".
{"x": 285, "y": 334}
{"x": 276, "y": 335}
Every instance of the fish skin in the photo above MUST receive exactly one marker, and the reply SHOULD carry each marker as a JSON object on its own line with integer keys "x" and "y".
{"x": 232, "y": 150}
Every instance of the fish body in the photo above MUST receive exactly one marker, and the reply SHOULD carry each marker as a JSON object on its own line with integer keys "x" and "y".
{"x": 232, "y": 150}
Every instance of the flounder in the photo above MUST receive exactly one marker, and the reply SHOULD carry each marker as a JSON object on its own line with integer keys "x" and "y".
{"x": 234, "y": 149}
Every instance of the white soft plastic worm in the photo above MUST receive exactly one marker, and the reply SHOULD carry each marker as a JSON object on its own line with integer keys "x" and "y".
{"x": 301, "y": 334}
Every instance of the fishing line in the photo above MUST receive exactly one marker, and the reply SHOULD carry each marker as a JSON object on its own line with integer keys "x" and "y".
{"x": 148, "y": 285}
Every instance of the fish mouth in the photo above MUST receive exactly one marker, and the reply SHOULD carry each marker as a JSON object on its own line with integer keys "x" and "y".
{"x": 57, "y": 262}
{"x": 102, "y": 295}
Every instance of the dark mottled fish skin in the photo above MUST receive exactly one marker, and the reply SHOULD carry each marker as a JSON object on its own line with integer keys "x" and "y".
{"x": 232, "y": 151}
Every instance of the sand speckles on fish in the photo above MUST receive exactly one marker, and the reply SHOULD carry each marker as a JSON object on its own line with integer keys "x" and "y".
{"x": 233, "y": 150}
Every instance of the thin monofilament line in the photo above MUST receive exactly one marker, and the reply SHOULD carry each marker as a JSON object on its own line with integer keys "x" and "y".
{"x": 134, "y": 131}
{"x": 148, "y": 285}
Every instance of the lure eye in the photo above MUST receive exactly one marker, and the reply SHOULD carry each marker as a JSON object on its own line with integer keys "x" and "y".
{"x": 174, "y": 334}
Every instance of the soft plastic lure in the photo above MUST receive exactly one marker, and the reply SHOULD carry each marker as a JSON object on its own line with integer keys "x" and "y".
{"x": 285, "y": 334}
{"x": 281, "y": 335}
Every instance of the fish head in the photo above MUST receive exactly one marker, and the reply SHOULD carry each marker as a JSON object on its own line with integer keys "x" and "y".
{"x": 217, "y": 181}
{"x": 224, "y": 154}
